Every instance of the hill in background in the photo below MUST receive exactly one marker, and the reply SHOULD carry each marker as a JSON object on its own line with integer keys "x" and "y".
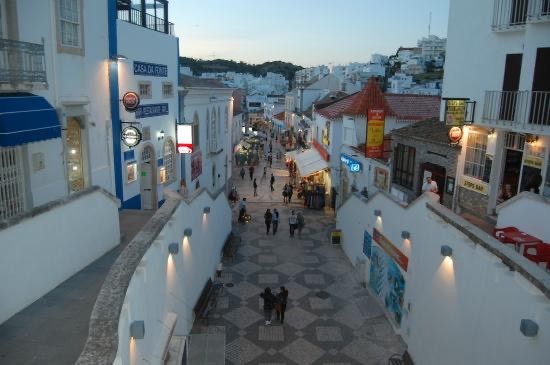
{"x": 200, "y": 66}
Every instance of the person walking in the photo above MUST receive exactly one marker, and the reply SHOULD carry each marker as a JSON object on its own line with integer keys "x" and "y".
{"x": 290, "y": 191}
{"x": 285, "y": 193}
{"x": 268, "y": 218}
{"x": 272, "y": 181}
{"x": 269, "y": 301}
{"x": 242, "y": 173}
{"x": 264, "y": 175}
{"x": 275, "y": 220}
{"x": 300, "y": 223}
{"x": 270, "y": 160}
{"x": 251, "y": 172}
{"x": 255, "y": 185}
{"x": 281, "y": 300}
{"x": 292, "y": 221}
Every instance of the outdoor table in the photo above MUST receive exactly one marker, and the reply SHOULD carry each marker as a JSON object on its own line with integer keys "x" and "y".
{"x": 519, "y": 239}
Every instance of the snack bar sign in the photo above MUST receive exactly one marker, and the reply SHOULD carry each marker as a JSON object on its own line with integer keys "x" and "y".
{"x": 150, "y": 69}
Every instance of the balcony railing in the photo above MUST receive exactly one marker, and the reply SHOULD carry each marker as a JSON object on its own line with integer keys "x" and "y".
{"x": 21, "y": 62}
{"x": 518, "y": 108}
{"x": 513, "y": 14}
{"x": 149, "y": 21}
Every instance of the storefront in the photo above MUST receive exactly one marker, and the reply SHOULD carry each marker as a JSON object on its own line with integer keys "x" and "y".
{"x": 309, "y": 176}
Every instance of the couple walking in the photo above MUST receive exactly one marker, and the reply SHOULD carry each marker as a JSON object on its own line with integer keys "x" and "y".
{"x": 271, "y": 218}
{"x": 277, "y": 302}
{"x": 287, "y": 193}
{"x": 296, "y": 222}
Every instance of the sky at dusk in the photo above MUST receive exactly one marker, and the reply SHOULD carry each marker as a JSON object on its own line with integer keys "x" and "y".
{"x": 304, "y": 32}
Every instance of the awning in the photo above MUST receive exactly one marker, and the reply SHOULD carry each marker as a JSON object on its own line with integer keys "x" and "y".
{"x": 279, "y": 123}
{"x": 310, "y": 162}
{"x": 26, "y": 118}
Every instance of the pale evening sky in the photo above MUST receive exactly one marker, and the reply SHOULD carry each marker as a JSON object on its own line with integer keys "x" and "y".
{"x": 304, "y": 32}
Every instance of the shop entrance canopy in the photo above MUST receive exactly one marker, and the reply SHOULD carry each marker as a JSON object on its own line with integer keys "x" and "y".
{"x": 310, "y": 162}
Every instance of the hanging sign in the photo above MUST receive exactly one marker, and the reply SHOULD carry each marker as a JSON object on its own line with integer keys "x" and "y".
{"x": 131, "y": 136}
{"x": 455, "y": 134}
{"x": 352, "y": 164}
{"x": 130, "y": 100}
{"x": 375, "y": 133}
{"x": 184, "y": 137}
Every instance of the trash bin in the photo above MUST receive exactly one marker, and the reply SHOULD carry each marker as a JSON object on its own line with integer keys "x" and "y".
{"x": 336, "y": 237}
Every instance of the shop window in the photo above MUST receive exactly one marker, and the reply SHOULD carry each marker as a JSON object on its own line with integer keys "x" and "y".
{"x": 12, "y": 196}
{"x": 403, "y": 171}
{"x": 69, "y": 25}
{"x": 131, "y": 172}
{"x": 476, "y": 163}
{"x": 167, "y": 90}
{"x": 169, "y": 163}
{"x": 145, "y": 89}
{"x": 75, "y": 159}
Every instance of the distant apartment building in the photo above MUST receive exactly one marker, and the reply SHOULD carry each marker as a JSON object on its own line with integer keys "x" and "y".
{"x": 432, "y": 47}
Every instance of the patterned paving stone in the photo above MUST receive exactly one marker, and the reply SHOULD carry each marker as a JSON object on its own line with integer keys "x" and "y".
{"x": 302, "y": 352}
{"x": 265, "y": 243}
{"x": 289, "y": 268}
{"x": 245, "y": 290}
{"x": 329, "y": 334}
{"x": 335, "y": 268}
{"x": 308, "y": 244}
{"x": 246, "y": 268}
{"x": 350, "y": 316}
{"x": 271, "y": 333}
{"x": 314, "y": 279}
{"x": 268, "y": 278}
{"x": 310, "y": 259}
{"x": 299, "y": 318}
{"x": 267, "y": 259}
{"x": 369, "y": 307}
{"x": 320, "y": 304}
{"x": 242, "y": 317}
{"x": 340, "y": 290}
{"x": 222, "y": 303}
{"x": 296, "y": 291}
{"x": 248, "y": 250}
{"x": 242, "y": 351}
{"x": 329, "y": 252}
{"x": 366, "y": 352}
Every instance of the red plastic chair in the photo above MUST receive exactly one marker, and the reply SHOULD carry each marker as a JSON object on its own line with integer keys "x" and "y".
{"x": 500, "y": 234}
{"x": 539, "y": 252}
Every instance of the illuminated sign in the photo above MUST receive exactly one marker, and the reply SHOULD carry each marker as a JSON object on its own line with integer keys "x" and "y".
{"x": 151, "y": 110}
{"x": 130, "y": 100}
{"x": 455, "y": 134}
{"x": 399, "y": 257}
{"x": 150, "y": 69}
{"x": 131, "y": 136}
{"x": 455, "y": 112}
{"x": 375, "y": 133}
{"x": 184, "y": 137}
{"x": 475, "y": 185}
{"x": 533, "y": 161}
{"x": 352, "y": 164}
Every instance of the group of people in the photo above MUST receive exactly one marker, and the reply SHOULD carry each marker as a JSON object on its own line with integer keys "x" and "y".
{"x": 274, "y": 301}
{"x": 296, "y": 222}
{"x": 288, "y": 190}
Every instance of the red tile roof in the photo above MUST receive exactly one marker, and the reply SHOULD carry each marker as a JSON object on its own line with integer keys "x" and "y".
{"x": 280, "y": 116}
{"x": 335, "y": 110}
{"x": 370, "y": 97}
{"x": 409, "y": 107}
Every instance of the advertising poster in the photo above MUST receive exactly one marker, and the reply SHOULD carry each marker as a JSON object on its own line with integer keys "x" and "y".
{"x": 375, "y": 133}
{"x": 387, "y": 283}
{"x": 381, "y": 180}
{"x": 196, "y": 164}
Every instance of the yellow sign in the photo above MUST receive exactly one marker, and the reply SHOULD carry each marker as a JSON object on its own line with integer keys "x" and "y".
{"x": 533, "y": 161}
{"x": 375, "y": 133}
{"x": 455, "y": 112}
{"x": 475, "y": 185}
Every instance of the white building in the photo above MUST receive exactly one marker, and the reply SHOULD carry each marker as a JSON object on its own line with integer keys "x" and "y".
{"x": 432, "y": 47}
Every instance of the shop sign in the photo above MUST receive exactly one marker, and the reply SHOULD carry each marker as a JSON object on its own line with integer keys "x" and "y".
{"x": 396, "y": 254}
{"x": 150, "y": 69}
{"x": 151, "y": 110}
{"x": 352, "y": 164}
{"x": 455, "y": 135}
{"x": 533, "y": 161}
{"x": 131, "y": 136}
{"x": 184, "y": 136}
{"x": 130, "y": 100}
{"x": 381, "y": 178}
{"x": 455, "y": 112}
{"x": 375, "y": 133}
{"x": 475, "y": 185}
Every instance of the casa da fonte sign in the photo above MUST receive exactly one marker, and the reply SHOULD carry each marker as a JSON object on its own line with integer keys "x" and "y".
{"x": 150, "y": 69}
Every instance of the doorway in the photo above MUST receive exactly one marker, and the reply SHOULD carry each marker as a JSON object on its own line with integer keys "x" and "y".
{"x": 148, "y": 179}
{"x": 75, "y": 155}
{"x": 438, "y": 174}
{"x": 511, "y": 172}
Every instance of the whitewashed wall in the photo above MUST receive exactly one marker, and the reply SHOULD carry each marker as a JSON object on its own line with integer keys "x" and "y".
{"x": 465, "y": 310}
{"x": 166, "y": 283}
{"x": 41, "y": 252}
{"x": 534, "y": 217}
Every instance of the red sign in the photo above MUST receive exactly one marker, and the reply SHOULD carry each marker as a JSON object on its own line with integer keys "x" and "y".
{"x": 184, "y": 136}
{"x": 455, "y": 134}
{"x": 324, "y": 154}
{"x": 130, "y": 100}
{"x": 397, "y": 256}
{"x": 375, "y": 134}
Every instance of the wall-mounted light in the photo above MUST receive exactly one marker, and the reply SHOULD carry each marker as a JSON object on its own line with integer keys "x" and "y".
{"x": 206, "y": 210}
{"x": 160, "y": 135}
{"x": 119, "y": 57}
{"x": 187, "y": 232}
{"x": 137, "y": 330}
{"x": 446, "y": 251}
{"x": 531, "y": 138}
{"x": 529, "y": 328}
{"x": 492, "y": 131}
{"x": 405, "y": 235}
{"x": 173, "y": 248}
{"x": 378, "y": 212}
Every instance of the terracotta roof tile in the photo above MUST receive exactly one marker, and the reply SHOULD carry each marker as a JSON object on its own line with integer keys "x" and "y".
{"x": 407, "y": 107}
{"x": 280, "y": 116}
{"x": 336, "y": 109}
{"x": 370, "y": 97}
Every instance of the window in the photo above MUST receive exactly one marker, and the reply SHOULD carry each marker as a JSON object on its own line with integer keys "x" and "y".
{"x": 196, "y": 131}
{"x": 403, "y": 171}
{"x": 475, "y": 159}
{"x": 12, "y": 201}
{"x": 75, "y": 158}
{"x": 70, "y": 24}
{"x": 169, "y": 162}
{"x": 167, "y": 90}
{"x": 145, "y": 89}
{"x": 131, "y": 172}
{"x": 226, "y": 120}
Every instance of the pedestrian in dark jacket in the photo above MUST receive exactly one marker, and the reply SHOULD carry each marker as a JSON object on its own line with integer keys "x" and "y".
{"x": 272, "y": 181}
{"x": 242, "y": 173}
{"x": 251, "y": 171}
{"x": 290, "y": 191}
{"x": 255, "y": 185}
{"x": 269, "y": 301}
{"x": 280, "y": 306}
{"x": 268, "y": 217}
{"x": 275, "y": 220}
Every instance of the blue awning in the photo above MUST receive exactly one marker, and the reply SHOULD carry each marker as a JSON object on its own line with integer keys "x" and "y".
{"x": 26, "y": 118}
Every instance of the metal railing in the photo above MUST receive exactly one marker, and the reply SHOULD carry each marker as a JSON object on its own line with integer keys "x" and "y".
{"x": 517, "y": 108}
{"x": 21, "y": 62}
{"x": 148, "y": 21}
{"x": 512, "y": 14}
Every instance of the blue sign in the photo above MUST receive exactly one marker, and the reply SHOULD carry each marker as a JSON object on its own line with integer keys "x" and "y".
{"x": 129, "y": 155}
{"x": 367, "y": 244}
{"x": 150, "y": 69}
{"x": 151, "y": 110}
{"x": 352, "y": 164}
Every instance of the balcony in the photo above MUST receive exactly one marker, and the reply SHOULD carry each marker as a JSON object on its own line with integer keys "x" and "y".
{"x": 519, "y": 109}
{"x": 148, "y": 21}
{"x": 514, "y": 14}
{"x": 21, "y": 62}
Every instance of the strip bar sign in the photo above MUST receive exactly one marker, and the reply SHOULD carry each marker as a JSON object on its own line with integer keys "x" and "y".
{"x": 185, "y": 138}
{"x": 151, "y": 110}
{"x": 399, "y": 257}
{"x": 375, "y": 133}
{"x": 150, "y": 69}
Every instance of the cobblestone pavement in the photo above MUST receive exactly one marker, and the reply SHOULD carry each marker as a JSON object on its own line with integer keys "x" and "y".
{"x": 330, "y": 318}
